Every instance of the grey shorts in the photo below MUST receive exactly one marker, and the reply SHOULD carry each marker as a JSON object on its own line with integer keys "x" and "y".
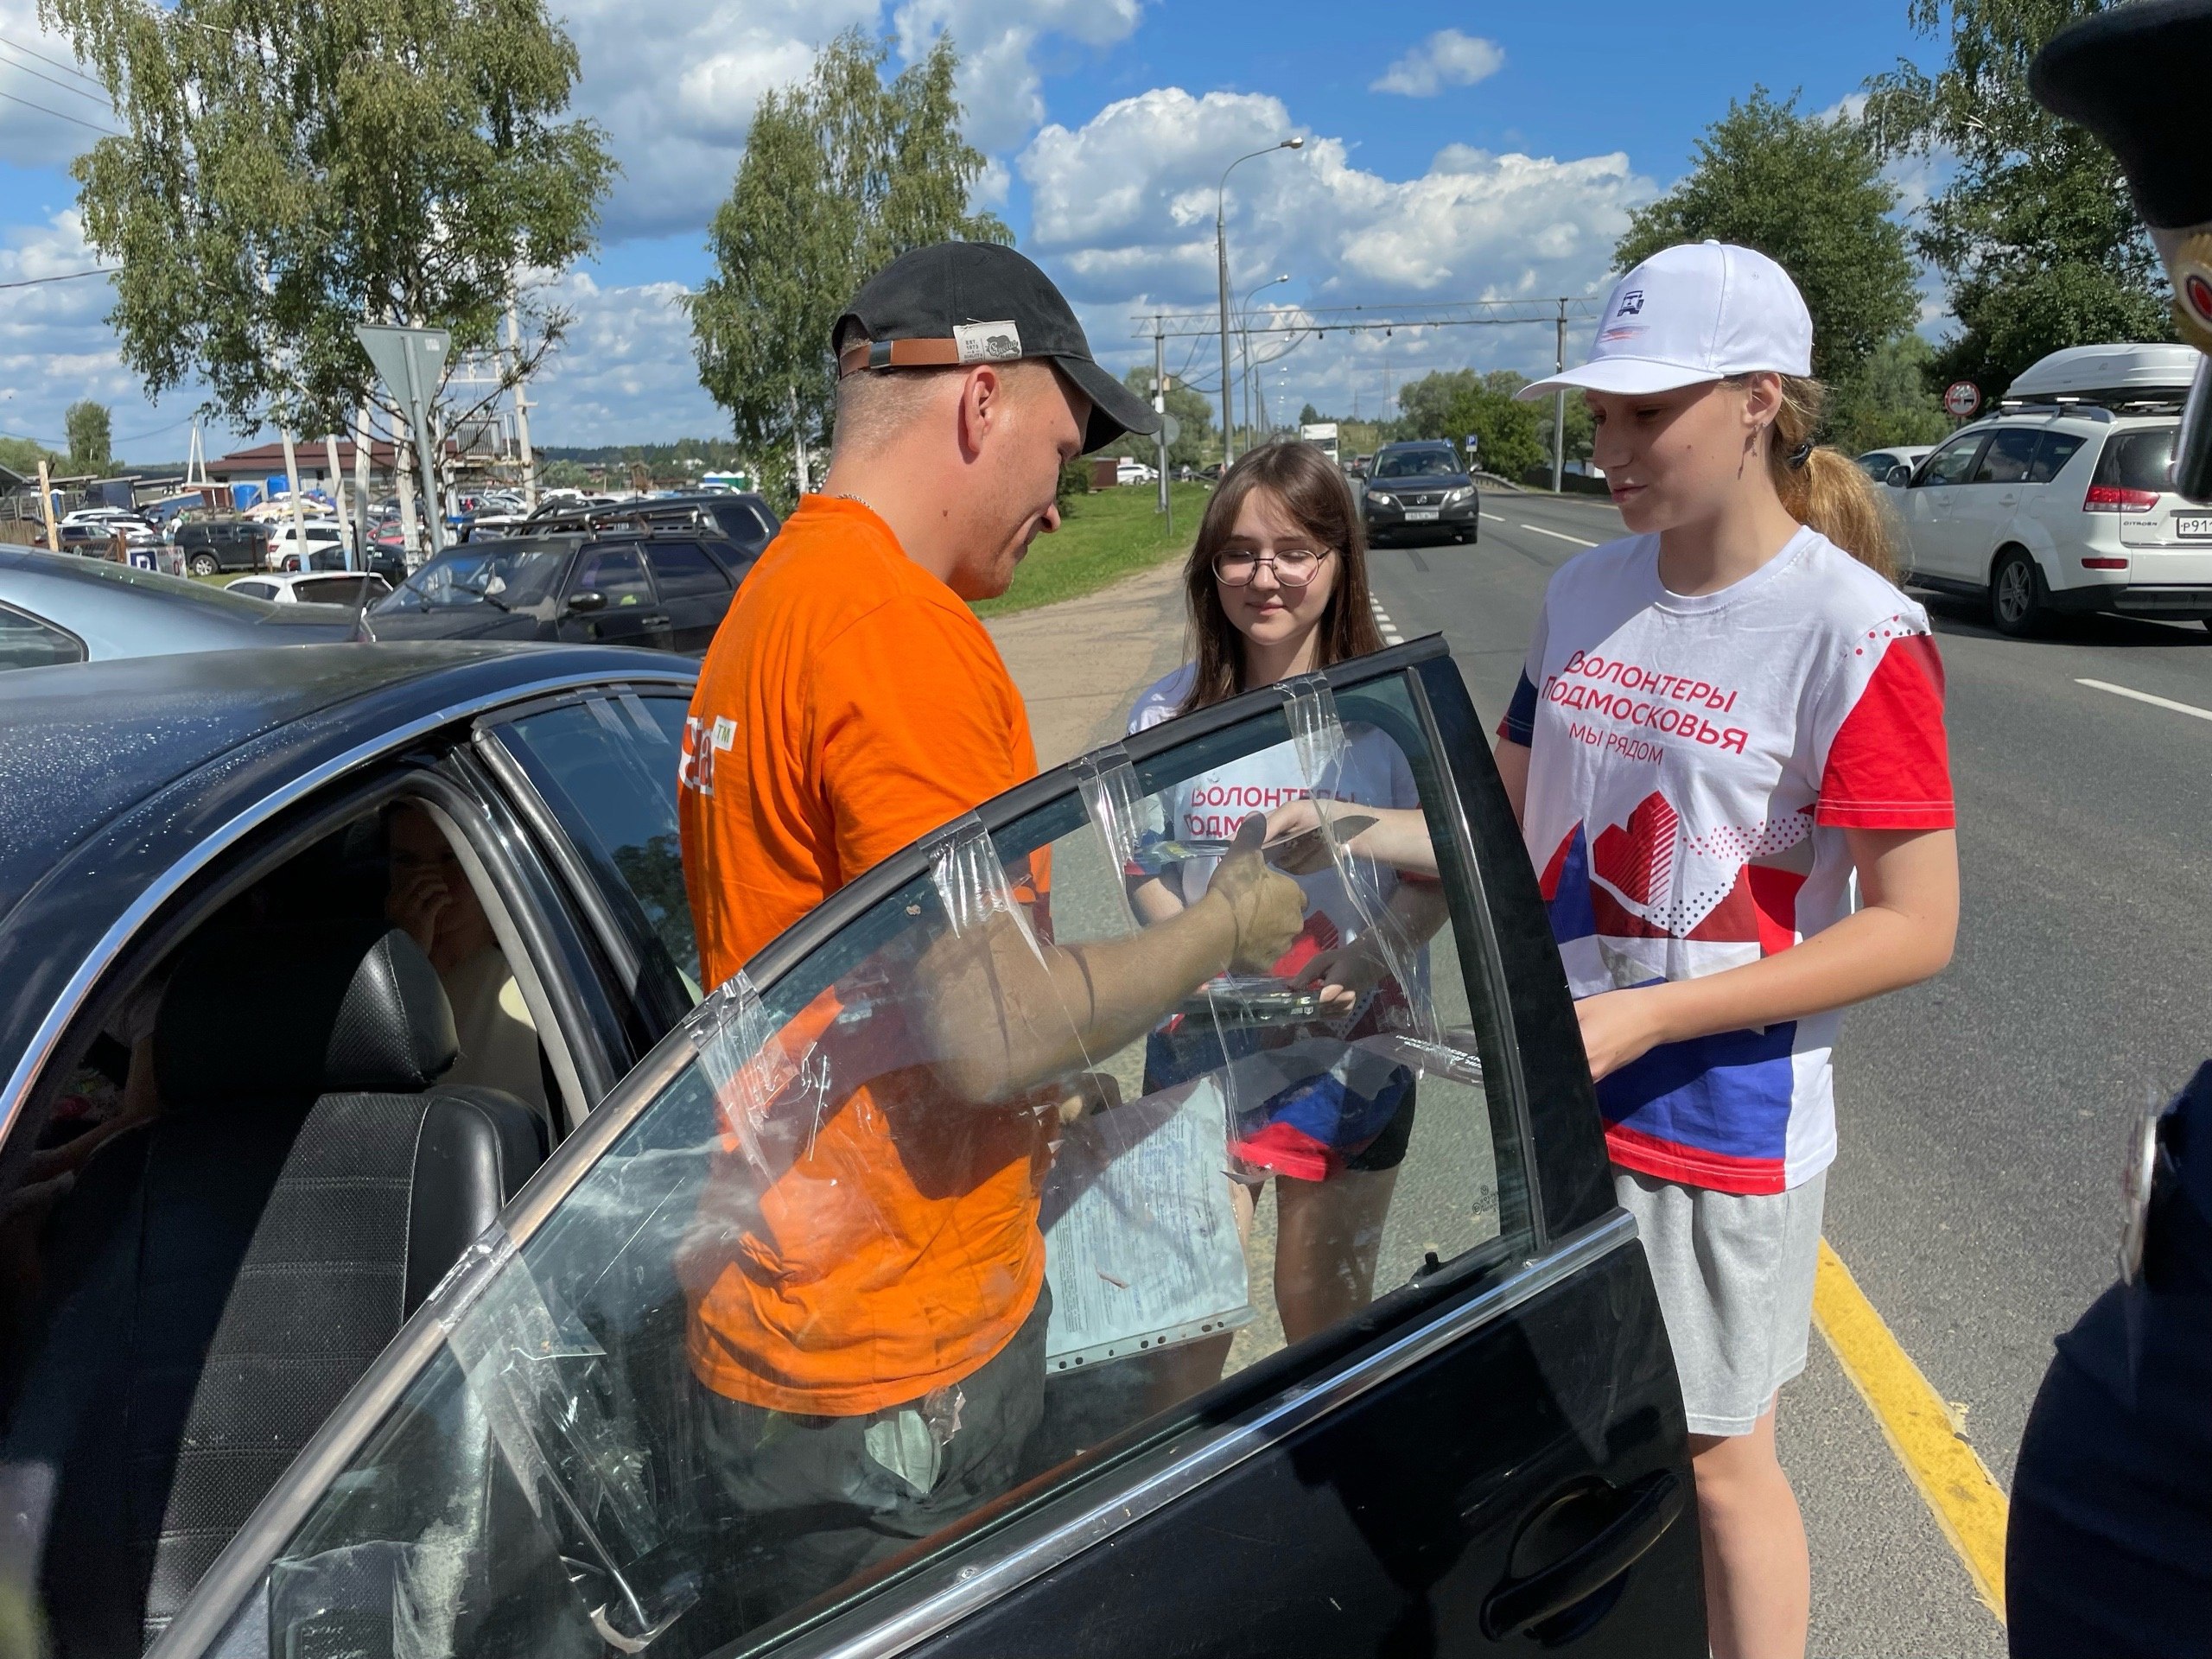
{"x": 1734, "y": 1272}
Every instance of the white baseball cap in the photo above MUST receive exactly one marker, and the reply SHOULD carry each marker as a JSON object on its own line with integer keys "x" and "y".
{"x": 1701, "y": 311}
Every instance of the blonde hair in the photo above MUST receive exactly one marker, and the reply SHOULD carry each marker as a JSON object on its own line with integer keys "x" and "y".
{"x": 1820, "y": 487}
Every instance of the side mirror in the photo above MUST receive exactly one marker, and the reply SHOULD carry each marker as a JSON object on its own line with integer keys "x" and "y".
{"x": 1899, "y": 476}
{"x": 586, "y": 600}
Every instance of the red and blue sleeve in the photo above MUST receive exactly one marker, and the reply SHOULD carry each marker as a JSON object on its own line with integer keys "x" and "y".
{"x": 1888, "y": 765}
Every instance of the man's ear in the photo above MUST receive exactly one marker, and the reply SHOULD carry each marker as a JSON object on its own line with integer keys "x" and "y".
{"x": 982, "y": 407}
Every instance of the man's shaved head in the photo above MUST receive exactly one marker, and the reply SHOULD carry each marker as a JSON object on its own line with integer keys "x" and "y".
{"x": 875, "y": 407}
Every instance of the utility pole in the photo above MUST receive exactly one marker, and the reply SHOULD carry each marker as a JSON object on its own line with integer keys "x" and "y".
{"x": 46, "y": 506}
{"x": 1160, "y": 403}
{"x": 1559, "y": 410}
{"x": 522, "y": 413}
{"x": 363, "y": 450}
{"x": 299, "y": 504}
{"x": 1220, "y": 260}
{"x": 338, "y": 500}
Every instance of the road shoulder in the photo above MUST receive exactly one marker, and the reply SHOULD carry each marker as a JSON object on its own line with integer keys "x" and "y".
{"x": 1080, "y": 662}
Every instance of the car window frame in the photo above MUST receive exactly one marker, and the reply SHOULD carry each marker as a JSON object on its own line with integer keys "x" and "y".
{"x": 1565, "y": 1227}
{"x": 2051, "y": 436}
{"x": 2033, "y": 435}
{"x": 588, "y": 547}
{"x": 697, "y": 543}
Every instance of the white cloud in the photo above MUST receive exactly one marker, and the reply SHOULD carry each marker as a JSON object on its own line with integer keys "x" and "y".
{"x": 625, "y": 371}
{"x": 1447, "y": 58}
{"x": 1123, "y": 213}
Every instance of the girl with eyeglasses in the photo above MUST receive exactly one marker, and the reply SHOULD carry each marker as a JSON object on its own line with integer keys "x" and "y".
{"x": 1277, "y": 588}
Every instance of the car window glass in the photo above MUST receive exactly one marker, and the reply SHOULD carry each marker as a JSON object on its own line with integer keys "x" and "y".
{"x": 606, "y": 769}
{"x": 510, "y": 573}
{"x": 2005, "y": 461}
{"x": 1416, "y": 463}
{"x": 251, "y": 589}
{"x": 1952, "y": 463}
{"x": 335, "y": 590}
{"x": 893, "y": 1237}
{"x": 2052, "y": 456}
{"x": 2141, "y": 460}
{"x": 615, "y": 571}
{"x": 682, "y": 571}
{"x": 27, "y": 642}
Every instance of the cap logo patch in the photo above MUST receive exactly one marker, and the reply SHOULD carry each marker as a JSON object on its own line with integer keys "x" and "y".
{"x": 1629, "y": 332}
{"x": 1632, "y": 303}
{"x": 987, "y": 342}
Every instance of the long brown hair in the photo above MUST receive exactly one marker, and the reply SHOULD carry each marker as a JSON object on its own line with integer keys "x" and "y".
{"x": 1313, "y": 492}
{"x": 1823, "y": 487}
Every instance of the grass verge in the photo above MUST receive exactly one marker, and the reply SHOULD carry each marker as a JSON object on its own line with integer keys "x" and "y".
{"x": 1102, "y": 537}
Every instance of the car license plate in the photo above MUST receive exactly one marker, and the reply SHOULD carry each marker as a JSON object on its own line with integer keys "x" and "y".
{"x": 2193, "y": 525}
{"x": 1416, "y": 515}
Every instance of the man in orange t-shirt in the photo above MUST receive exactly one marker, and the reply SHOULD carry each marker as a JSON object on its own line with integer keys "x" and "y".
{"x": 867, "y": 1311}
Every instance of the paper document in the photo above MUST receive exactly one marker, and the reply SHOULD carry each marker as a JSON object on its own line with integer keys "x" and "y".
{"x": 1140, "y": 1244}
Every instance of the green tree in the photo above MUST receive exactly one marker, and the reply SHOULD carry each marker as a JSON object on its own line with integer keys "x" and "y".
{"x": 1310, "y": 415}
{"x": 841, "y": 175}
{"x": 1456, "y": 404}
{"x": 1887, "y": 400}
{"x": 1810, "y": 194}
{"x": 86, "y": 424}
{"x": 2034, "y": 233}
{"x": 291, "y": 167}
{"x": 23, "y": 455}
{"x": 1193, "y": 412}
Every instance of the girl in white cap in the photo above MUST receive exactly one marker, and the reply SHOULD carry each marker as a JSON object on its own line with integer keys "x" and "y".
{"x": 1723, "y": 716}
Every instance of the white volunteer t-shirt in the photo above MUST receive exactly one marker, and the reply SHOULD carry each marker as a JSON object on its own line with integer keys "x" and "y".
{"x": 1693, "y": 762}
{"x": 1371, "y": 770}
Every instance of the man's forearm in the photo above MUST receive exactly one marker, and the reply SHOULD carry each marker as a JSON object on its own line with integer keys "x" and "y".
{"x": 1001, "y": 1017}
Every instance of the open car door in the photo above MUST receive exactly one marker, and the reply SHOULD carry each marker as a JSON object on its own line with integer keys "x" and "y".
{"x": 1341, "y": 1346}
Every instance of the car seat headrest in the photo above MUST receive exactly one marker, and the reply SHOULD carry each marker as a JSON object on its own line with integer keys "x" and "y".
{"x": 339, "y": 1006}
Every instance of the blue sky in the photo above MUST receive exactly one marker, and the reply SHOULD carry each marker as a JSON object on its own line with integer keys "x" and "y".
{"x": 1451, "y": 154}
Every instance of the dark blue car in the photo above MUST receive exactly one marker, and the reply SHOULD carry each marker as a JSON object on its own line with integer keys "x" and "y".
{"x": 366, "y": 1147}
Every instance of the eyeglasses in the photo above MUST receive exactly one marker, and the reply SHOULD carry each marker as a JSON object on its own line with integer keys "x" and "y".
{"x": 1295, "y": 567}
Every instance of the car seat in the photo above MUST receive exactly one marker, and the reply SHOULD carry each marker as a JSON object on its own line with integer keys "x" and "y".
{"x": 235, "y": 1265}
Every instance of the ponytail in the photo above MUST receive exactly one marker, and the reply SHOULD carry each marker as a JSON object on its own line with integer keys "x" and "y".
{"x": 1823, "y": 489}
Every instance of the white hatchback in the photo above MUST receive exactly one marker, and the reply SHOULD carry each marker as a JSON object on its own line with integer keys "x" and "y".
{"x": 2063, "y": 507}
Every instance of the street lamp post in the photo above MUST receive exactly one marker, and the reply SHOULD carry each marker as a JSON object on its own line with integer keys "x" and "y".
{"x": 1244, "y": 338}
{"x": 1221, "y": 265}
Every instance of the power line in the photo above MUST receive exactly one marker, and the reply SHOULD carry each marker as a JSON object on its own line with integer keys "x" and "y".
{"x": 58, "y": 115}
{"x": 100, "y": 98}
{"x": 65, "y": 277}
{"x": 52, "y": 62}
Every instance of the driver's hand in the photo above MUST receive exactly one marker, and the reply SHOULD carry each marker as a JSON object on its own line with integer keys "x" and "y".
{"x": 1268, "y": 907}
{"x": 416, "y": 903}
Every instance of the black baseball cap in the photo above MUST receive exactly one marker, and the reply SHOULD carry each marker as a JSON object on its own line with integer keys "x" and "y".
{"x": 958, "y": 302}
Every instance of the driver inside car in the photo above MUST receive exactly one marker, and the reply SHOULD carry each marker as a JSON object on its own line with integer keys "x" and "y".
{"x": 431, "y": 901}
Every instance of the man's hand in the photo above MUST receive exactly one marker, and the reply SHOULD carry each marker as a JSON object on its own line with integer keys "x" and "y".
{"x": 416, "y": 903}
{"x": 1619, "y": 1027}
{"x": 1267, "y": 906}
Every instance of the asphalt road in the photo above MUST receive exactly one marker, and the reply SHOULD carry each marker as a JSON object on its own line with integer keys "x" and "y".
{"x": 1976, "y": 1197}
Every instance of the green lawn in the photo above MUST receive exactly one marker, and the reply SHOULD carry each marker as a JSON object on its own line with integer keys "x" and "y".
{"x": 1102, "y": 537}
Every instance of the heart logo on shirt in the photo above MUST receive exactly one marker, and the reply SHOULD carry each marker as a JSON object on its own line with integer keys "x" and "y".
{"x": 1637, "y": 861}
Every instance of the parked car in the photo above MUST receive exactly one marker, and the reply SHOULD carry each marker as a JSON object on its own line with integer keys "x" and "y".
{"x": 407, "y": 1363}
{"x": 1420, "y": 489}
{"x": 2062, "y": 501}
{"x": 57, "y": 608}
{"x": 316, "y": 587}
{"x": 211, "y": 546}
{"x": 1129, "y": 470}
{"x": 666, "y": 590}
{"x": 744, "y": 517}
{"x": 1878, "y": 464}
{"x": 321, "y": 536}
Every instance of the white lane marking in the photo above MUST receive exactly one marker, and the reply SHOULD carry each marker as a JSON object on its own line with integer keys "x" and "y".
{"x": 1390, "y": 629}
{"x": 1562, "y": 534}
{"x": 2144, "y": 697}
{"x": 1495, "y": 517}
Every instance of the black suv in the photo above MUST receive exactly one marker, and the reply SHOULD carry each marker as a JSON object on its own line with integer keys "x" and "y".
{"x": 660, "y": 586}
{"x": 1420, "y": 488}
{"x": 208, "y": 546}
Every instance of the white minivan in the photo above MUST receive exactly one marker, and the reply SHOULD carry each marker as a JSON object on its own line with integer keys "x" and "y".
{"x": 2062, "y": 501}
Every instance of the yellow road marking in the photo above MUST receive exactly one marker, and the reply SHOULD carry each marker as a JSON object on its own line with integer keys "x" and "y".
{"x": 1959, "y": 1491}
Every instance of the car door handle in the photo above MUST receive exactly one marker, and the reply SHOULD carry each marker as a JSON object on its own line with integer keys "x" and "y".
{"x": 1656, "y": 1503}
{"x": 2009, "y": 497}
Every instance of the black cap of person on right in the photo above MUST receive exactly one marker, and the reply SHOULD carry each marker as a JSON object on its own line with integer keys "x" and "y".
{"x": 954, "y": 303}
